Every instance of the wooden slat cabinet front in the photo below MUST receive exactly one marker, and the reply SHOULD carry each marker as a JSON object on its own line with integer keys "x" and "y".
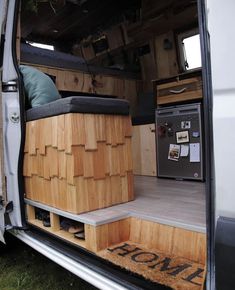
{"x": 144, "y": 150}
{"x": 179, "y": 89}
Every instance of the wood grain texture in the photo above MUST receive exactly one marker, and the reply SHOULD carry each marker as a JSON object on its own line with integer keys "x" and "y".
{"x": 55, "y": 221}
{"x": 68, "y": 155}
{"x": 192, "y": 90}
{"x": 101, "y": 237}
{"x": 166, "y": 59}
{"x": 58, "y": 233}
{"x": 167, "y": 239}
{"x": 78, "y": 81}
{"x": 170, "y": 99}
{"x": 30, "y": 212}
{"x": 144, "y": 150}
{"x": 148, "y": 68}
{"x": 172, "y": 240}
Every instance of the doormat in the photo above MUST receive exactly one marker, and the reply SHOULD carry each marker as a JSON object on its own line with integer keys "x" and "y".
{"x": 175, "y": 272}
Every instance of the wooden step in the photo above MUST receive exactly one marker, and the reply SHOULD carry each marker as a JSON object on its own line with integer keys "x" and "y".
{"x": 137, "y": 245}
{"x": 96, "y": 237}
{"x": 173, "y": 240}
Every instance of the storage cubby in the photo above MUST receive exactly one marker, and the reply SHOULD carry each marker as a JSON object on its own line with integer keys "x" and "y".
{"x": 55, "y": 225}
{"x": 96, "y": 236}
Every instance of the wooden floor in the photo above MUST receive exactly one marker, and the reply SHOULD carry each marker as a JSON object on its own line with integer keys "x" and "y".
{"x": 165, "y": 201}
{"x": 176, "y": 203}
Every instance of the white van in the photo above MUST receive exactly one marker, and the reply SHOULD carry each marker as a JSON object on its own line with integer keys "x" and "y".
{"x": 117, "y": 139}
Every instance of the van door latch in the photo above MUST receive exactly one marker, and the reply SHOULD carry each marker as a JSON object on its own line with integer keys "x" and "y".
{"x": 15, "y": 118}
{"x": 9, "y": 87}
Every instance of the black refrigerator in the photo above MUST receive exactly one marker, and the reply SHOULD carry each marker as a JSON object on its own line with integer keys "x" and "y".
{"x": 179, "y": 142}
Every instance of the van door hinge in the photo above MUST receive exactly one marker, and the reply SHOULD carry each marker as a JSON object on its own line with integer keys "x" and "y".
{"x": 9, "y": 87}
{"x": 2, "y": 220}
{"x": 9, "y": 207}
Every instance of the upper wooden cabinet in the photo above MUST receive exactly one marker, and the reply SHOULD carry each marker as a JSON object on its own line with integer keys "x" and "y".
{"x": 181, "y": 88}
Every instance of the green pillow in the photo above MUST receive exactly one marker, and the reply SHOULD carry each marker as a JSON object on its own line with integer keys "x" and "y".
{"x": 39, "y": 87}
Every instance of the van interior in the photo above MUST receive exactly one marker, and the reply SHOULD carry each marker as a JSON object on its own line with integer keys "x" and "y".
{"x": 123, "y": 181}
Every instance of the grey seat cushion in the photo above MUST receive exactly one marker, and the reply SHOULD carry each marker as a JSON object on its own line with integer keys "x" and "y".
{"x": 81, "y": 104}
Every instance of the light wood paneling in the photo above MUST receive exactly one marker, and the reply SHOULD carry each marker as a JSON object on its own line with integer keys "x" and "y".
{"x": 55, "y": 221}
{"x": 144, "y": 150}
{"x": 148, "y": 68}
{"x": 152, "y": 235}
{"x": 166, "y": 59}
{"x": 78, "y": 81}
{"x": 30, "y": 212}
{"x": 101, "y": 237}
{"x": 115, "y": 37}
{"x": 81, "y": 164}
{"x": 58, "y": 233}
{"x": 172, "y": 240}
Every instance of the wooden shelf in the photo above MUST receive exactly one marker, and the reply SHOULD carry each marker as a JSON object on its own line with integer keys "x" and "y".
{"x": 54, "y": 227}
{"x": 96, "y": 237}
{"x": 60, "y": 233}
{"x": 59, "y": 212}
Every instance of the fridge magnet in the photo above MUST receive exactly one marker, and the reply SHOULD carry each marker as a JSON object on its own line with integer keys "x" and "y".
{"x": 161, "y": 131}
{"x": 174, "y": 152}
{"x": 185, "y": 124}
{"x": 182, "y": 137}
{"x": 196, "y": 134}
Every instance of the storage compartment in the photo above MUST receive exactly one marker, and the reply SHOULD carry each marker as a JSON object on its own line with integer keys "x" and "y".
{"x": 53, "y": 224}
{"x": 144, "y": 150}
{"x": 79, "y": 162}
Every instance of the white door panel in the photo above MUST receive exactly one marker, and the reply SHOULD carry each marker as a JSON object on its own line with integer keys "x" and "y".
{"x": 221, "y": 23}
{"x": 3, "y": 12}
{"x": 11, "y": 128}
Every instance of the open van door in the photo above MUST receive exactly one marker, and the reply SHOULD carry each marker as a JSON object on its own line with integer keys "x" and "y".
{"x": 222, "y": 44}
{"x": 3, "y": 11}
{"x": 10, "y": 121}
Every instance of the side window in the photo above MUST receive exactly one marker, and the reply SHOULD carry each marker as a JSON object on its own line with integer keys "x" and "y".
{"x": 189, "y": 50}
{"x": 41, "y": 45}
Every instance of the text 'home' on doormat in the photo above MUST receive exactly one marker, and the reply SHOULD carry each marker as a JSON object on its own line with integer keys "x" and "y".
{"x": 175, "y": 272}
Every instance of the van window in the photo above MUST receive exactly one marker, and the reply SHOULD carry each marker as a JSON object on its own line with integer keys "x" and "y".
{"x": 189, "y": 49}
{"x": 41, "y": 45}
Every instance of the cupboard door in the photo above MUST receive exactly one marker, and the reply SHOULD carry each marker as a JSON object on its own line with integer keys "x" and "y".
{"x": 144, "y": 150}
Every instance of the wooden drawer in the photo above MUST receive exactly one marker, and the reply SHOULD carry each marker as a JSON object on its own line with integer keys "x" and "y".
{"x": 179, "y": 91}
